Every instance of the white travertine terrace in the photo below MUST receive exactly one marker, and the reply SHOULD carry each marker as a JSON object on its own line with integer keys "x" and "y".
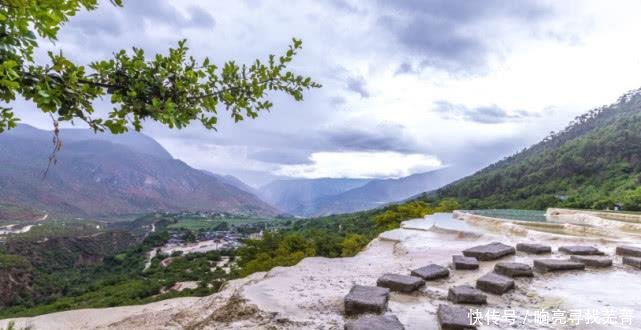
{"x": 310, "y": 294}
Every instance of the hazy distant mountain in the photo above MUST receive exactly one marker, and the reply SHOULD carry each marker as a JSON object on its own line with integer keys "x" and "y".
{"x": 301, "y": 196}
{"x": 314, "y": 197}
{"x": 377, "y": 193}
{"x": 101, "y": 174}
{"x": 236, "y": 182}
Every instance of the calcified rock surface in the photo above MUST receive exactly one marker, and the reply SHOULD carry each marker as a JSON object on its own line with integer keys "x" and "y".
{"x": 311, "y": 294}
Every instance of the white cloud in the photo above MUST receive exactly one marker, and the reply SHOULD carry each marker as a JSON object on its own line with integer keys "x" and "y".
{"x": 361, "y": 165}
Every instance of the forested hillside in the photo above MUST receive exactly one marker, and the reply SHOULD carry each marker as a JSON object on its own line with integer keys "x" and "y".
{"x": 595, "y": 162}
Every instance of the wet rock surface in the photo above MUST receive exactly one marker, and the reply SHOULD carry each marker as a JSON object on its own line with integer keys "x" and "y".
{"x": 366, "y": 299}
{"x": 513, "y": 269}
{"x": 465, "y": 263}
{"x": 593, "y": 261}
{"x": 533, "y": 248}
{"x": 490, "y": 251}
{"x": 632, "y": 261}
{"x": 581, "y": 250}
{"x": 495, "y": 283}
{"x": 454, "y": 318}
{"x": 375, "y": 322}
{"x": 627, "y": 250}
{"x": 400, "y": 283}
{"x": 554, "y": 265}
{"x": 431, "y": 272}
{"x": 466, "y": 294}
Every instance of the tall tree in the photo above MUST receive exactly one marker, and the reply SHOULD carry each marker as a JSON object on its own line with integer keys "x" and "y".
{"x": 173, "y": 89}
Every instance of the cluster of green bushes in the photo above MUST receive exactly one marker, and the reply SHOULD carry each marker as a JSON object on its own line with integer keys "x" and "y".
{"x": 333, "y": 236}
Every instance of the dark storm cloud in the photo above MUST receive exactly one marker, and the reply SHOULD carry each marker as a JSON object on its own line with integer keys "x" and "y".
{"x": 111, "y": 25}
{"x": 382, "y": 138}
{"x": 107, "y": 29}
{"x": 114, "y": 21}
{"x": 358, "y": 85}
{"x": 337, "y": 101}
{"x": 343, "y": 5}
{"x": 406, "y": 67}
{"x": 162, "y": 12}
{"x": 453, "y": 35}
{"x": 491, "y": 114}
{"x": 281, "y": 156}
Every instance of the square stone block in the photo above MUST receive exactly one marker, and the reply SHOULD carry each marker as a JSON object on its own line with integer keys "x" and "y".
{"x": 431, "y": 272}
{"x": 495, "y": 283}
{"x": 375, "y": 322}
{"x": 627, "y": 250}
{"x": 555, "y": 265}
{"x": 593, "y": 261}
{"x": 513, "y": 269}
{"x": 366, "y": 299}
{"x": 533, "y": 248}
{"x": 400, "y": 283}
{"x": 632, "y": 261}
{"x": 490, "y": 251}
{"x": 454, "y": 318}
{"x": 466, "y": 294}
{"x": 581, "y": 250}
{"x": 465, "y": 263}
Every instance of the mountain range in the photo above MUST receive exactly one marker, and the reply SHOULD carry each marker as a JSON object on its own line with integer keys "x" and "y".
{"x": 301, "y": 196}
{"x": 103, "y": 175}
{"x": 106, "y": 175}
{"x": 317, "y": 197}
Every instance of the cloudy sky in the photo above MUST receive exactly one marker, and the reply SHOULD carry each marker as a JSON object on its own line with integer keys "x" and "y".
{"x": 408, "y": 85}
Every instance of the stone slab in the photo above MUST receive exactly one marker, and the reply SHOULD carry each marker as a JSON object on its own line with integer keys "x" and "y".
{"x": 627, "y": 250}
{"x": 375, "y": 322}
{"x": 366, "y": 299}
{"x": 554, "y": 265}
{"x": 581, "y": 250}
{"x": 533, "y": 248}
{"x": 513, "y": 269}
{"x": 465, "y": 263}
{"x": 454, "y": 318}
{"x": 632, "y": 261}
{"x": 466, "y": 294}
{"x": 400, "y": 283}
{"x": 431, "y": 272}
{"x": 593, "y": 261}
{"x": 495, "y": 283}
{"x": 490, "y": 251}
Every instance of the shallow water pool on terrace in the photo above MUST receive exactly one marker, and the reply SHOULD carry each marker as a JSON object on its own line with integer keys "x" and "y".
{"x": 512, "y": 214}
{"x": 441, "y": 220}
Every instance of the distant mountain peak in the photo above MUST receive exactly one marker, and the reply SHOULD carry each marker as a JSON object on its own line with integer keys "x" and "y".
{"x": 101, "y": 174}
{"x": 313, "y": 197}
